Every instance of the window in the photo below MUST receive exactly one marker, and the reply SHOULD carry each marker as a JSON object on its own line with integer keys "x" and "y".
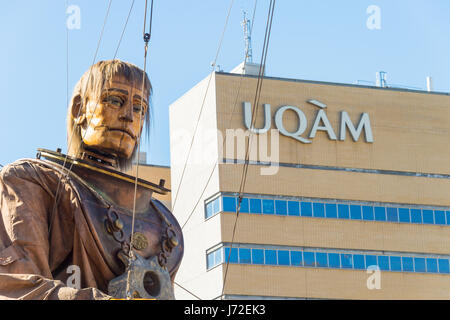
{"x": 355, "y": 212}
{"x": 380, "y": 213}
{"x": 309, "y": 260}
{"x": 407, "y": 264}
{"x": 371, "y": 261}
{"x": 319, "y": 210}
{"x": 244, "y": 205}
{"x": 396, "y": 263}
{"x": 416, "y": 216}
{"x": 321, "y": 259}
{"x": 296, "y": 258}
{"x": 334, "y": 260}
{"x": 347, "y": 260}
{"x": 306, "y": 209}
{"x": 447, "y": 217}
{"x": 255, "y": 206}
{"x": 229, "y": 204}
{"x": 218, "y": 256}
{"x": 428, "y": 216}
{"x": 270, "y": 257}
{"x": 210, "y": 260}
{"x": 216, "y": 205}
{"x": 383, "y": 262}
{"x": 439, "y": 217}
{"x": 343, "y": 211}
{"x": 245, "y": 255}
{"x": 331, "y": 210}
{"x": 293, "y": 208}
{"x": 432, "y": 265}
{"x": 392, "y": 214}
{"x": 283, "y": 257}
{"x": 231, "y": 257}
{"x": 268, "y": 206}
{"x": 443, "y": 266}
{"x": 281, "y": 207}
{"x": 403, "y": 215}
{"x": 358, "y": 261}
{"x": 209, "y": 210}
{"x": 258, "y": 256}
{"x": 419, "y": 264}
{"x": 367, "y": 213}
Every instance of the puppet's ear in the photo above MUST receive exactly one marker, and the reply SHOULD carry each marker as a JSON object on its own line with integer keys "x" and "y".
{"x": 78, "y": 110}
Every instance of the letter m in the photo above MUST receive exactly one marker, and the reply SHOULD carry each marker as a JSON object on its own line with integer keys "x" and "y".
{"x": 364, "y": 123}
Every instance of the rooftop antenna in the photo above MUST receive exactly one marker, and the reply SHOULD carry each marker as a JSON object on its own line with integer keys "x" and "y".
{"x": 247, "y": 38}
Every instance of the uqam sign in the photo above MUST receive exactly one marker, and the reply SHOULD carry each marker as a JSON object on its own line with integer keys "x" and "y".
{"x": 321, "y": 123}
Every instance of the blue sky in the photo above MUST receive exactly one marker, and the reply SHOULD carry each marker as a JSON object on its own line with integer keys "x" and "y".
{"x": 324, "y": 40}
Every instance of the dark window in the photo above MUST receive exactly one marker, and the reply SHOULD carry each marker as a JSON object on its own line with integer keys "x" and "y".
{"x": 293, "y": 208}
{"x": 270, "y": 256}
{"x": 403, "y": 215}
{"x": 306, "y": 210}
{"x": 383, "y": 262}
{"x": 416, "y": 215}
{"x": 233, "y": 257}
{"x": 309, "y": 260}
{"x": 367, "y": 213}
{"x": 255, "y": 206}
{"x": 347, "y": 260}
{"x": 296, "y": 258}
{"x": 419, "y": 264}
{"x": 245, "y": 255}
{"x": 268, "y": 206}
{"x": 427, "y": 216}
{"x": 447, "y": 217}
{"x": 229, "y": 204}
{"x": 321, "y": 259}
{"x": 334, "y": 260}
{"x": 319, "y": 210}
{"x": 281, "y": 207}
{"x": 355, "y": 212}
{"x": 244, "y": 205}
{"x": 343, "y": 211}
{"x": 396, "y": 263}
{"x": 358, "y": 261}
{"x": 380, "y": 213}
{"x": 392, "y": 214}
{"x": 331, "y": 210}
{"x": 371, "y": 261}
{"x": 258, "y": 256}
{"x": 283, "y": 257}
{"x": 439, "y": 217}
{"x": 408, "y": 264}
{"x": 444, "y": 266}
{"x": 432, "y": 265}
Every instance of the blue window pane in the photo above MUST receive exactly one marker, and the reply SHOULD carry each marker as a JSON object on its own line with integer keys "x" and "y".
{"x": 343, "y": 211}
{"x": 321, "y": 259}
{"x": 229, "y": 204}
{"x": 347, "y": 260}
{"x": 245, "y": 255}
{"x": 447, "y": 217}
{"x": 380, "y": 213}
{"x": 334, "y": 260}
{"x": 218, "y": 256}
{"x": 383, "y": 262}
{"x": 216, "y": 205}
{"x": 416, "y": 216}
{"x": 306, "y": 210}
{"x": 255, "y": 206}
{"x": 281, "y": 207}
{"x": 427, "y": 216}
{"x": 439, "y": 217}
{"x": 392, "y": 214}
{"x": 257, "y": 256}
{"x": 231, "y": 257}
{"x": 355, "y": 212}
{"x": 403, "y": 215}
{"x": 209, "y": 210}
{"x": 358, "y": 261}
{"x": 419, "y": 264}
{"x": 293, "y": 208}
{"x": 432, "y": 265}
{"x": 371, "y": 261}
{"x": 396, "y": 263}
{"x": 210, "y": 260}
{"x": 330, "y": 210}
{"x": 244, "y": 205}
{"x": 283, "y": 257}
{"x": 270, "y": 256}
{"x": 407, "y": 264}
{"x": 268, "y": 206}
{"x": 296, "y": 258}
{"x": 444, "y": 266}
{"x": 319, "y": 210}
{"x": 309, "y": 260}
{"x": 367, "y": 213}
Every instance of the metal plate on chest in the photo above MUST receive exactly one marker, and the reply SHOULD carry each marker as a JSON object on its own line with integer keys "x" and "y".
{"x": 140, "y": 241}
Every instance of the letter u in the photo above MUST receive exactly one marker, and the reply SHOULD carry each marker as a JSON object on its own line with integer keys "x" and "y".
{"x": 248, "y": 118}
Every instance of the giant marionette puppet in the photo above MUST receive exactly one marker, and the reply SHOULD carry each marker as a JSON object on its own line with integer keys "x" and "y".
{"x": 79, "y": 215}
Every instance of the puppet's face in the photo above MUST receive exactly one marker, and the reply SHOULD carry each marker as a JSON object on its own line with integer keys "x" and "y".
{"x": 112, "y": 124}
